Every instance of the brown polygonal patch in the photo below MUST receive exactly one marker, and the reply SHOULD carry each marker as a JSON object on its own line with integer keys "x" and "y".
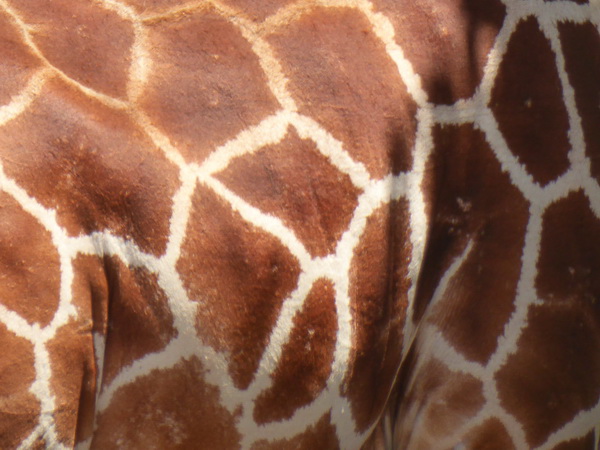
{"x": 258, "y": 10}
{"x": 92, "y": 164}
{"x": 321, "y": 435}
{"x": 341, "y": 75}
{"x": 569, "y": 261}
{"x": 240, "y": 275}
{"x": 151, "y": 7}
{"x": 378, "y": 301}
{"x": 435, "y": 404}
{"x": 581, "y": 46}
{"x": 294, "y": 181}
{"x": 584, "y": 443}
{"x": 29, "y": 265}
{"x": 168, "y": 408}
{"x": 195, "y": 94}
{"x": 555, "y": 372}
{"x": 87, "y": 42}
{"x": 474, "y": 201}
{"x": 446, "y": 42}
{"x": 139, "y": 318}
{"x": 18, "y": 62}
{"x": 305, "y": 362}
{"x": 491, "y": 435}
{"x": 19, "y": 409}
{"x": 527, "y": 101}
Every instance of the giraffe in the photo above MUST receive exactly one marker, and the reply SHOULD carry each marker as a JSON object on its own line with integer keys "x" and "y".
{"x": 299, "y": 224}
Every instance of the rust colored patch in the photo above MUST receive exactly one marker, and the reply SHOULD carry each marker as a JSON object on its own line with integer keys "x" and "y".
{"x": 491, "y": 435}
{"x": 29, "y": 265}
{"x": 473, "y": 201}
{"x": 581, "y": 46}
{"x": 527, "y": 101}
{"x": 555, "y": 372}
{"x": 90, "y": 44}
{"x": 294, "y": 181}
{"x": 139, "y": 318}
{"x": 170, "y": 408}
{"x": 436, "y": 402}
{"x": 204, "y": 104}
{"x": 19, "y": 408}
{"x": 17, "y": 61}
{"x": 378, "y": 302}
{"x": 321, "y": 435}
{"x": 446, "y": 42}
{"x": 584, "y": 443}
{"x": 258, "y": 10}
{"x": 93, "y": 165}
{"x": 342, "y": 77}
{"x": 240, "y": 275}
{"x": 569, "y": 261}
{"x": 149, "y": 7}
{"x": 306, "y": 359}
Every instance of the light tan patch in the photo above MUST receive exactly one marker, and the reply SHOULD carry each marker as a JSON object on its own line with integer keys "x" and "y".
{"x": 258, "y": 10}
{"x": 584, "y": 443}
{"x": 168, "y": 408}
{"x": 305, "y": 362}
{"x": 240, "y": 275}
{"x": 342, "y": 77}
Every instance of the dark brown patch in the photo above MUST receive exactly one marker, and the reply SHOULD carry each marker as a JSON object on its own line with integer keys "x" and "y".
{"x": 168, "y": 408}
{"x": 569, "y": 261}
{"x": 240, "y": 275}
{"x": 88, "y": 43}
{"x": 378, "y": 302}
{"x": 584, "y": 443}
{"x": 581, "y": 46}
{"x": 435, "y": 404}
{"x": 139, "y": 318}
{"x": 528, "y": 104}
{"x": 294, "y": 181}
{"x": 93, "y": 165}
{"x": 446, "y": 42}
{"x": 321, "y": 435}
{"x": 204, "y": 104}
{"x": 305, "y": 362}
{"x": 19, "y": 408}
{"x": 29, "y": 265}
{"x": 342, "y": 77}
{"x": 17, "y": 61}
{"x": 555, "y": 372}
{"x": 258, "y": 10}
{"x": 491, "y": 435}
{"x": 472, "y": 200}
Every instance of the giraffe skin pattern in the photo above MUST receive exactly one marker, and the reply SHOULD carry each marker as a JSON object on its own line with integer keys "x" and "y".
{"x": 300, "y": 224}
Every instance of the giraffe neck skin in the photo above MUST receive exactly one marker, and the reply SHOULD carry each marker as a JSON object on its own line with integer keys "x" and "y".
{"x": 300, "y": 224}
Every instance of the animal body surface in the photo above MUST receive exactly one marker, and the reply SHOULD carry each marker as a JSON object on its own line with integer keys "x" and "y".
{"x": 300, "y": 224}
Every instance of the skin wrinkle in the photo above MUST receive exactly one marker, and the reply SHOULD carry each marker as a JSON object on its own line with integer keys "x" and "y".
{"x": 206, "y": 180}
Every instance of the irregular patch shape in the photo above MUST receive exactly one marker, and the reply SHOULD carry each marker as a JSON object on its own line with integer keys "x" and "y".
{"x": 305, "y": 362}
{"x": 19, "y": 408}
{"x": 436, "y": 402}
{"x": 89, "y": 43}
{"x": 174, "y": 407}
{"x": 555, "y": 372}
{"x": 294, "y": 181}
{"x": 446, "y": 42}
{"x": 584, "y": 443}
{"x": 378, "y": 301}
{"x": 204, "y": 57}
{"x": 473, "y": 201}
{"x": 581, "y": 46}
{"x": 139, "y": 319}
{"x": 258, "y": 10}
{"x": 527, "y": 101}
{"x": 240, "y": 275}
{"x": 569, "y": 261}
{"x": 321, "y": 435}
{"x": 18, "y": 62}
{"x": 491, "y": 435}
{"x": 29, "y": 265}
{"x": 149, "y": 7}
{"x": 93, "y": 165}
{"x": 338, "y": 70}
